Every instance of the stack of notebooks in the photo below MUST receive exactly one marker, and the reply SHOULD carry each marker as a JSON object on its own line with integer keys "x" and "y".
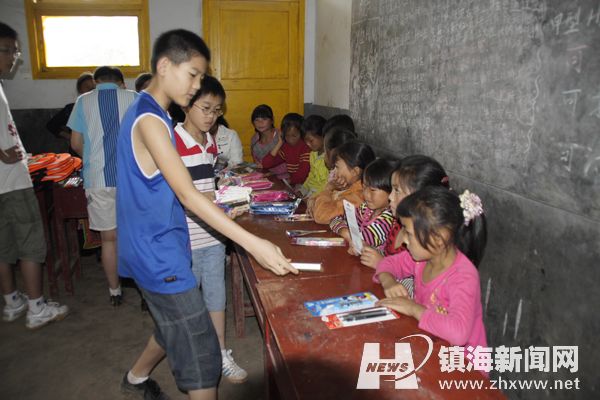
{"x": 233, "y": 198}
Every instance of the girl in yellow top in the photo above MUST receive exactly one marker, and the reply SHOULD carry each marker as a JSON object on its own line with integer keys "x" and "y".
{"x": 350, "y": 161}
{"x": 312, "y": 133}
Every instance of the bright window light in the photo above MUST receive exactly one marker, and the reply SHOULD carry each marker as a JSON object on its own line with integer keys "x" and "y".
{"x": 91, "y": 41}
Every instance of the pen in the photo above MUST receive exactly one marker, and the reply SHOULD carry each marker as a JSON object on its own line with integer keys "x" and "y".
{"x": 364, "y": 315}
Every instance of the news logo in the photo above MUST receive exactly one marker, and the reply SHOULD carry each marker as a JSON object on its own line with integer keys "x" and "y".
{"x": 401, "y": 367}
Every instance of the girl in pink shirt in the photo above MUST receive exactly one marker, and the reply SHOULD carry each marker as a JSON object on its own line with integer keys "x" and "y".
{"x": 445, "y": 236}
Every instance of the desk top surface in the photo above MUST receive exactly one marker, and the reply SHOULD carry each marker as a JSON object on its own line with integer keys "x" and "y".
{"x": 325, "y": 364}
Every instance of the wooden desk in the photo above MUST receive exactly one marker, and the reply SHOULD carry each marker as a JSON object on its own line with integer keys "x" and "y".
{"x": 335, "y": 261}
{"x": 70, "y": 205}
{"x": 44, "y": 198}
{"x": 306, "y": 360}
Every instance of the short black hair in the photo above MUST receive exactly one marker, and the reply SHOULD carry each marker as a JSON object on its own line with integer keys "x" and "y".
{"x": 292, "y": 120}
{"x": 336, "y": 137}
{"x": 84, "y": 77}
{"x": 378, "y": 174}
{"x": 209, "y": 85}
{"x": 262, "y": 111}
{"x": 418, "y": 171}
{"x": 107, "y": 73}
{"x": 339, "y": 121}
{"x": 355, "y": 154}
{"x": 313, "y": 124}
{"x": 7, "y": 32}
{"x": 178, "y": 45}
{"x": 222, "y": 121}
{"x": 141, "y": 80}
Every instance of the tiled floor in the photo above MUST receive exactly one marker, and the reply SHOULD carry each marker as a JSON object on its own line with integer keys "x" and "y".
{"x": 86, "y": 355}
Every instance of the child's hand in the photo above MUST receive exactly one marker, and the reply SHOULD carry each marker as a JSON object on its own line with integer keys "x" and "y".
{"x": 395, "y": 290}
{"x": 403, "y": 305}
{"x": 370, "y": 257}
{"x": 351, "y": 250}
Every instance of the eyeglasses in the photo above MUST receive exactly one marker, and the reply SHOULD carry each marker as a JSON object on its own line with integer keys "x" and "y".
{"x": 207, "y": 111}
{"x": 14, "y": 51}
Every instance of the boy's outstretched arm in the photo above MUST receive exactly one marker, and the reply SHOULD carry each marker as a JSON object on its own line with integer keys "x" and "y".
{"x": 154, "y": 140}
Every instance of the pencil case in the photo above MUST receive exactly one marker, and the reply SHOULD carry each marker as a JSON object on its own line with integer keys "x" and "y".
{"x": 272, "y": 195}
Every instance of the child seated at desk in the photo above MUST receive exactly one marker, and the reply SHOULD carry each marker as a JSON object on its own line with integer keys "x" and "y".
{"x": 374, "y": 217}
{"x": 351, "y": 159}
{"x": 312, "y": 131}
{"x": 445, "y": 235}
{"x": 293, "y": 153}
{"x": 265, "y": 138}
{"x": 412, "y": 173}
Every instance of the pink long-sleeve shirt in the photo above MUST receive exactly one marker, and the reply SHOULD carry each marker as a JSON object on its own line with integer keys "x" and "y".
{"x": 452, "y": 299}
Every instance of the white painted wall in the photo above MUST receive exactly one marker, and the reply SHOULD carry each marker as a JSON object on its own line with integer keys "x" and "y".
{"x": 332, "y": 53}
{"x": 24, "y": 93}
{"x": 310, "y": 26}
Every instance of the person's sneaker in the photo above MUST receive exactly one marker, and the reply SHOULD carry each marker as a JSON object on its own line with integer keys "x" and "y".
{"x": 233, "y": 372}
{"x": 117, "y": 300}
{"x": 12, "y": 312}
{"x": 149, "y": 389}
{"x": 51, "y": 311}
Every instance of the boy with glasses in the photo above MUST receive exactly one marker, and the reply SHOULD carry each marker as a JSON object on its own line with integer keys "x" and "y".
{"x": 21, "y": 231}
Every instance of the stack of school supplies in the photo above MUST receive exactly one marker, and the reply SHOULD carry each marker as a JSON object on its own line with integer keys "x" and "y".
{"x": 50, "y": 167}
{"x": 233, "y": 198}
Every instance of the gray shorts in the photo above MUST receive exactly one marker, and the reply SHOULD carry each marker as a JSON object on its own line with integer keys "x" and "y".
{"x": 186, "y": 333}
{"x": 208, "y": 266}
{"x": 21, "y": 229}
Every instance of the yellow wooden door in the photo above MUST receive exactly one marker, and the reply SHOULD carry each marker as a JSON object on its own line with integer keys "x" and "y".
{"x": 257, "y": 51}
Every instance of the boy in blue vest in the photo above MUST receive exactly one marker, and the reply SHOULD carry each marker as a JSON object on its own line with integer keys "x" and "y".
{"x": 153, "y": 240}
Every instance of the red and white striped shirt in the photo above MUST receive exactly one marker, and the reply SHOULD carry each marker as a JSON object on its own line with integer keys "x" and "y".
{"x": 199, "y": 160}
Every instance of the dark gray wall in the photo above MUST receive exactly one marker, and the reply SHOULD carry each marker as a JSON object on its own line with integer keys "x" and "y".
{"x": 506, "y": 94}
{"x": 31, "y": 124}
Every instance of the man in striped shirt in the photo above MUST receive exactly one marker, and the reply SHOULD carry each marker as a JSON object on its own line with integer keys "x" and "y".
{"x": 95, "y": 123}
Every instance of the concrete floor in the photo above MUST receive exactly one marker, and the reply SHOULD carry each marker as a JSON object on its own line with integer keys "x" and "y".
{"x": 86, "y": 355}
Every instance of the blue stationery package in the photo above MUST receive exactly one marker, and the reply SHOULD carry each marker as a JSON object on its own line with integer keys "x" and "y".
{"x": 273, "y": 207}
{"x": 334, "y": 305}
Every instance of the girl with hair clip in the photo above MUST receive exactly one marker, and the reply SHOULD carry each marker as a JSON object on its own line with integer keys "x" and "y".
{"x": 351, "y": 159}
{"x": 412, "y": 173}
{"x": 445, "y": 235}
{"x": 374, "y": 217}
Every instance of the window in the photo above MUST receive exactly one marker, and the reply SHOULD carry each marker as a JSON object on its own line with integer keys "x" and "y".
{"x": 68, "y": 37}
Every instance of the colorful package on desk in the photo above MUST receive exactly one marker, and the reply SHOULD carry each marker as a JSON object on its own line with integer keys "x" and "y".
{"x": 295, "y": 218}
{"x": 272, "y": 195}
{"x": 261, "y": 184}
{"x": 272, "y": 208}
{"x": 319, "y": 241}
{"x": 342, "y": 304}
{"x": 361, "y": 317}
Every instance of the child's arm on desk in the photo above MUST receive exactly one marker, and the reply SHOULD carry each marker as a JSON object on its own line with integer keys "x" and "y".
{"x": 153, "y": 148}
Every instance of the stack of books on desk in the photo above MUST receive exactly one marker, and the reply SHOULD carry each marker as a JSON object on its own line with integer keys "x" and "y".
{"x": 233, "y": 198}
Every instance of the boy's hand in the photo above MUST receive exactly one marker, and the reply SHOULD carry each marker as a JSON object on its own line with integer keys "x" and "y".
{"x": 270, "y": 257}
{"x": 11, "y": 155}
{"x": 403, "y": 305}
{"x": 370, "y": 257}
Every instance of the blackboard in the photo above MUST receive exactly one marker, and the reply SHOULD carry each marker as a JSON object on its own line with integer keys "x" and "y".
{"x": 504, "y": 92}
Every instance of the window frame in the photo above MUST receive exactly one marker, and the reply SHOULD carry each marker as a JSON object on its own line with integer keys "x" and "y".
{"x": 35, "y": 9}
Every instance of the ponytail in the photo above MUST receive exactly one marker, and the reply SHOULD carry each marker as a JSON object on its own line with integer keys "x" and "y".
{"x": 435, "y": 207}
